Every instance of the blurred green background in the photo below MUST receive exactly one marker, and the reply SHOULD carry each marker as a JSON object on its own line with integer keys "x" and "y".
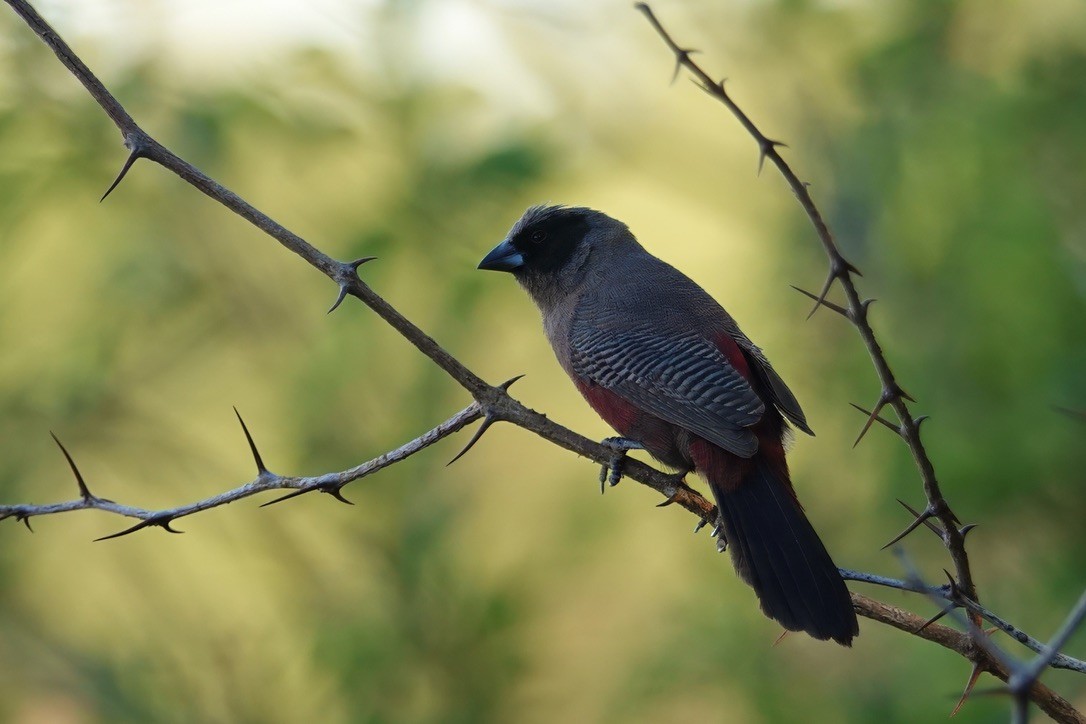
{"x": 945, "y": 142}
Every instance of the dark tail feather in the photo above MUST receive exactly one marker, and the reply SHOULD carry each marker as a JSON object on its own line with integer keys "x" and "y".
{"x": 775, "y": 550}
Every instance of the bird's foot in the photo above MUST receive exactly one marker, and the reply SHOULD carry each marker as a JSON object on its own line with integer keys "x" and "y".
{"x": 717, "y": 531}
{"x": 611, "y": 471}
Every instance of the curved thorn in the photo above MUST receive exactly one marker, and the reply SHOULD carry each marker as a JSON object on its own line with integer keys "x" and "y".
{"x": 825, "y": 303}
{"x": 165, "y": 525}
{"x": 288, "y": 496}
{"x": 339, "y": 299}
{"x": 261, "y": 470}
{"x": 504, "y": 387}
{"x": 132, "y": 157}
{"x": 359, "y": 262}
{"x": 918, "y": 421}
{"x": 337, "y": 493}
{"x": 84, "y": 492}
{"x": 26, "y": 521}
{"x": 954, "y": 591}
{"x": 670, "y": 500}
{"x": 964, "y": 530}
{"x": 487, "y": 422}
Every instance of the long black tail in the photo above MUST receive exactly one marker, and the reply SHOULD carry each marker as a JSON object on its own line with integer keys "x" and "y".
{"x": 775, "y": 550}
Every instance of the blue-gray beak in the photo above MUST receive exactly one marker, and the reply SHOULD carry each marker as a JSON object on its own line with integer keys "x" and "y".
{"x": 503, "y": 257}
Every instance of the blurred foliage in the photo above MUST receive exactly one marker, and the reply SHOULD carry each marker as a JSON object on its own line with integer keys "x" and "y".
{"x": 945, "y": 141}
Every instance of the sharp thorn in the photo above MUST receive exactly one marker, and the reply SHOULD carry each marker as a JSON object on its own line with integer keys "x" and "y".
{"x": 821, "y": 298}
{"x": 26, "y": 521}
{"x": 931, "y": 526}
{"x": 781, "y": 637}
{"x": 952, "y": 585}
{"x": 908, "y": 529}
{"x": 339, "y": 299}
{"x": 878, "y": 418}
{"x": 964, "y": 530}
{"x": 825, "y": 303}
{"x": 934, "y": 618}
{"x": 84, "y": 492}
{"x": 165, "y": 525}
{"x": 260, "y": 467}
{"x": 128, "y": 531}
{"x": 668, "y": 502}
{"x": 973, "y": 676}
{"x": 765, "y": 147}
{"x": 874, "y": 415}
{"x": 509, "y": 383}
{"x": 681, "y": 56}
{"x": 288, "y": 496}
{"x": 920, "y": 420}
{"x": 337, "y": 493}
{"x": 359, "y": 262}
{"x": 487, "y": 422}
{"x": 132, "y": 157}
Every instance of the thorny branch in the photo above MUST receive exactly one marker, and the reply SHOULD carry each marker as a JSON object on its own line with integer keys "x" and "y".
{"x": 843, "y": 272}
{"x": 1023, "y": 678}
{"x": 330, "y": 483}
{"x": 494, "y": 404}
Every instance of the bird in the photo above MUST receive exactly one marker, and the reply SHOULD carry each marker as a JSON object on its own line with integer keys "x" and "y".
{"x": 670, "y": 370}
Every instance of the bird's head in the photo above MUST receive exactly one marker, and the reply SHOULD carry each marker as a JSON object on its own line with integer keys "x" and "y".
{"x": 551, "y": 249}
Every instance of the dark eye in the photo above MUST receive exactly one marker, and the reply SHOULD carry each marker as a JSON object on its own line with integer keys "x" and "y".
{"x": 538, "y": 236}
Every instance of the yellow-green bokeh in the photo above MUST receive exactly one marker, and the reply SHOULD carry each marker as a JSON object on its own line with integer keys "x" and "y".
{"x": 945, "y": 142}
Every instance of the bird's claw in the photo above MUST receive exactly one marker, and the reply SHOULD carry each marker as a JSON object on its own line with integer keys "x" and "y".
{"x": 611, "y": 471}
{"x": 717, "y": 530}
